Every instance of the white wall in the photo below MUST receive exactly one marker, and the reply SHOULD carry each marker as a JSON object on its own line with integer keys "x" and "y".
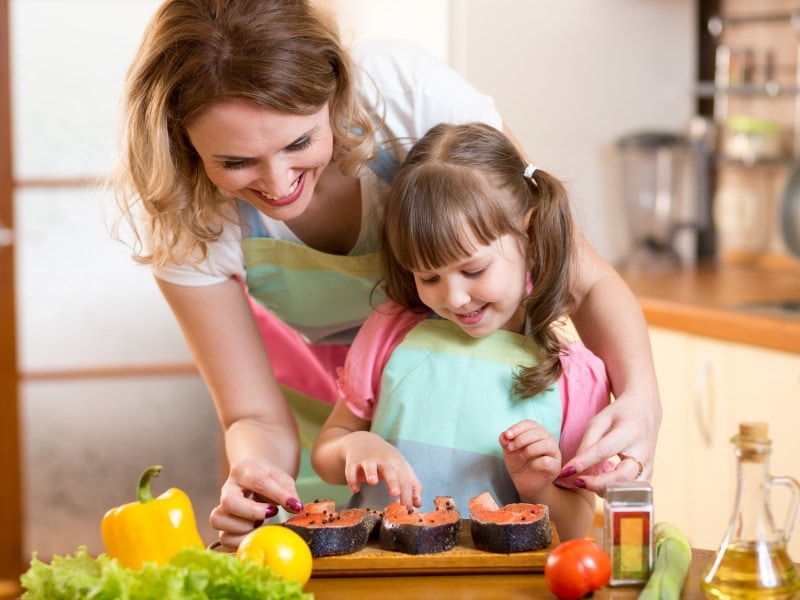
{"x": 81, "y": 301}
{"x": 371, "y": 19}
{"x": 570, "y": 77}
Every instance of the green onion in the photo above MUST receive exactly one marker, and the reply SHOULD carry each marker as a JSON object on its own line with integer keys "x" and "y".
{"x": 673, "y": 553}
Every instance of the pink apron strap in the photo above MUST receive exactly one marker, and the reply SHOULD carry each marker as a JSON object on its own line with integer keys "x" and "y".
{"x": 307, "y": 368}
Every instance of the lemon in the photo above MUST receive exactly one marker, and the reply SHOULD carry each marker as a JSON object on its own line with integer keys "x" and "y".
{"x": 280, "y": 549}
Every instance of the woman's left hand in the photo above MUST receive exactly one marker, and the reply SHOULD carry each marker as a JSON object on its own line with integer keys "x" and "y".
{"x": 628, "y": 429}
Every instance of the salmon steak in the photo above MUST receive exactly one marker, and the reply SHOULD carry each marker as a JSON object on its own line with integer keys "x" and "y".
{"x": 518, "y": 527}
{"x": 330, "y": 532}
{"x": 413, "y": 532}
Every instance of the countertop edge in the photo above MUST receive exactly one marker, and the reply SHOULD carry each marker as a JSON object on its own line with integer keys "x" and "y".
{"x": 728, "y": 325}
{"x": 703, "y": 302}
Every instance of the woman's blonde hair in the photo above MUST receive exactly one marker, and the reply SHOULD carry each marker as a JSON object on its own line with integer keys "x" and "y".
{"x": 284, "y": 55}
{"x": 469, "y": 178}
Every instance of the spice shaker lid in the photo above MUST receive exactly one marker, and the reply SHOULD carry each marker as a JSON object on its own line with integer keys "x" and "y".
{"x": 629, "y": 492}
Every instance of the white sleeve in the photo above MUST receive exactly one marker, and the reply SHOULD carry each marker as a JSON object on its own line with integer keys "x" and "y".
{"x": 225, "y": 259}
{"x": 418, "y": 90}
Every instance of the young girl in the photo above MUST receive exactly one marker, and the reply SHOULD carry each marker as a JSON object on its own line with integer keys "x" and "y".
{"x": 257, "y": 153}
{"x": 462, "y": 382}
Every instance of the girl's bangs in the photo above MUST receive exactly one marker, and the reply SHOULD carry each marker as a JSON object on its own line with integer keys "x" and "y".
{"x": 445, "y": 229}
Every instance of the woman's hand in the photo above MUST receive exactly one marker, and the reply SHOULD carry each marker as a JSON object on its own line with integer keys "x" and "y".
{"x": 368, "y": 458}
{"x": 251, "y": 495}
{"x": 532, "y": 457}
{"x": 627, "y": 428}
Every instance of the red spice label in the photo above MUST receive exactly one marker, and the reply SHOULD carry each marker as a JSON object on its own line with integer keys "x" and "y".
{"x": 631, "y": 552}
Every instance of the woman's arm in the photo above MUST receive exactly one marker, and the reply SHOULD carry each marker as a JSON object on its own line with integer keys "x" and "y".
{"x": 261, "y": 438}
{"x": 611, "y": 324}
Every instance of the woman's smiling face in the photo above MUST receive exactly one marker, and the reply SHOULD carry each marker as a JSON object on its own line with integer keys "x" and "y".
{"x": 272, "y": 160}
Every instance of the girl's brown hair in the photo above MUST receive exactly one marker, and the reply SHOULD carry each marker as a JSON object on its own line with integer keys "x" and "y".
{"x": 280, "y": 54}
{"x": 469, "y": 177}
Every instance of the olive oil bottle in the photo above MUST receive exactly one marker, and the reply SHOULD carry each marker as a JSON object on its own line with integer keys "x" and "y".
{"x": 752, "y": 562}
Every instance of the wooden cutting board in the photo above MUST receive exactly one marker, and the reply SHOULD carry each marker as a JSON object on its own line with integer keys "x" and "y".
{"x": 463, "y": 558}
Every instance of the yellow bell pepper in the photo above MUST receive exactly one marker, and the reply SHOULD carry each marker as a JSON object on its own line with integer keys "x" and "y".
{"x": 152, "y": 529}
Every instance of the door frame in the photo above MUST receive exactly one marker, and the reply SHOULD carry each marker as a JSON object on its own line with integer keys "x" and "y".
{"x": 11, "y": 527}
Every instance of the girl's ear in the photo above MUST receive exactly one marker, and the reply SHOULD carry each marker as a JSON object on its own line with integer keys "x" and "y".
{"x": 527, "y": 220}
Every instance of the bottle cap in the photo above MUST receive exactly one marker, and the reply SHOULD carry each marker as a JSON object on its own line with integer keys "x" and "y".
{"x": 753, "y": 441}
{"x": 754, "y": 431}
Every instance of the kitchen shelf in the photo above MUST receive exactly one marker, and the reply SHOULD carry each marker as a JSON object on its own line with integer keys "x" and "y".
{"x": 734, "y": 71}
{"x": 709, "y": 89}
{"x": 779, "y": 161}
{"x": 717, "y": 23}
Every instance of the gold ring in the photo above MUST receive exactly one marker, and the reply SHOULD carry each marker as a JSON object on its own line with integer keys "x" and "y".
{"x": 634, "y": 459}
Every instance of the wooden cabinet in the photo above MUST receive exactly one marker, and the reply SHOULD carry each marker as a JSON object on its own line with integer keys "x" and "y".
{"x": 707, "y": 388}
{"x": 672, "y": 452}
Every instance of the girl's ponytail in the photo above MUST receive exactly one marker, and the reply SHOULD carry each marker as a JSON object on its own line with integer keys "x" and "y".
{"x": 550, "y": 251}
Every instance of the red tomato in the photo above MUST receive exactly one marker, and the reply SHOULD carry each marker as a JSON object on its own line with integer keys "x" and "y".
{"x": 576, "y": 568}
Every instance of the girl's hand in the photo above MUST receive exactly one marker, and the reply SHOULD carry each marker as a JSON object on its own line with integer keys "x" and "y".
{"x": 625, "y": 428}
{"x": 370, "y": 459}
{"x": 532, "y": 457}
{"x": 251, "y": 495}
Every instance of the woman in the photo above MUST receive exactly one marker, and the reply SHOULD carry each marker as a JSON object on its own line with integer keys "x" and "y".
{"x": 257, "y": 153}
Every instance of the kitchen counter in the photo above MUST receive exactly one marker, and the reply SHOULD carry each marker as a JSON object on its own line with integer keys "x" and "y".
{"x": 706, "y": 301}
{"x": 485, "y": 587}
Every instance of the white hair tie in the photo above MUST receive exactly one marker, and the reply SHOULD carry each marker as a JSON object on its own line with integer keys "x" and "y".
{"x": 529, "y": 171}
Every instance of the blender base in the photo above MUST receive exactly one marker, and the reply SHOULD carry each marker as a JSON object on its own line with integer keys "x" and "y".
{"x": 652, "y": 257}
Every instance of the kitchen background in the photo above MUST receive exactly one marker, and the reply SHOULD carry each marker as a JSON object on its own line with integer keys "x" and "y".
{"x": 107, "y": 384}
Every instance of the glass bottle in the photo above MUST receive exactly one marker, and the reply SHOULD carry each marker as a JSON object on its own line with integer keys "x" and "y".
{"x": 752, "y": 561}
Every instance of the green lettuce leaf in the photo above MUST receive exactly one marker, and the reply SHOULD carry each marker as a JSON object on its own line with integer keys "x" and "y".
{"x": 192, "y": 574}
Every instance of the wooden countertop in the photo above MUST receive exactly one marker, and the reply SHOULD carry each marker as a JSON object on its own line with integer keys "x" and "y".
{"x": 702, "y": 301}
{"x": 485, "y": 587}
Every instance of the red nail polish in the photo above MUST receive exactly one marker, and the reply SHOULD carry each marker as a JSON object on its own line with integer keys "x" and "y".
{"x": 568, "y": 472}
{"x": 579, "y": 483}
{"x": 257, "y": 524}
{"x": 270, "y": 512}
{"x": 294, "y": 505}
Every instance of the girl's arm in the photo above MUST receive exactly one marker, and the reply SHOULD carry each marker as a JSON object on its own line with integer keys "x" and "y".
{"x": 572, "y": 510}
{"x": 346, "y": 452}
{"x": 533, "y": 460}
{"x": 261, "y": 439}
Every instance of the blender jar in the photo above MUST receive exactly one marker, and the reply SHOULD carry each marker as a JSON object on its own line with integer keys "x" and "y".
{"x": 656, "y": 170}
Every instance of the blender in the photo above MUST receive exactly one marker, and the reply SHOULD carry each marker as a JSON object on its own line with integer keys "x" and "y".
{"x": 663, "y": 192}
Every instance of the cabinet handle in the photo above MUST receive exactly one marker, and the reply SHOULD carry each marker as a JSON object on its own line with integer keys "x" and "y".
{"x": 700, "y": 392}
{"x": 6, "y": 236}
